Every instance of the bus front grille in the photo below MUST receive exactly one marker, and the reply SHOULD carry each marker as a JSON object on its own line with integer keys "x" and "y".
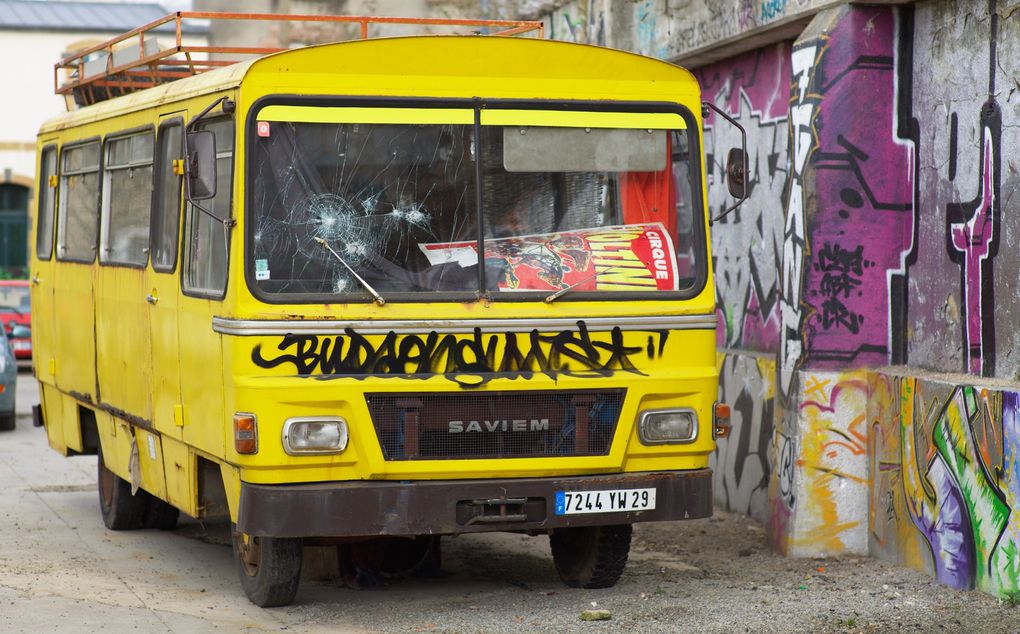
{"x": 436, "y": 426}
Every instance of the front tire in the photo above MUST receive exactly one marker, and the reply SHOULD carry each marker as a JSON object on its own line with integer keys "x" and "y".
{"x": 591, "y": 556}
{"x": 269, "y": 568}
{"x": 7, "y": 422}
{"x": 120, "y": 510}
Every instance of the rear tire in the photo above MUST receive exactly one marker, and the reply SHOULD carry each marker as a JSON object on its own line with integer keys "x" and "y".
{"x": 591, "y": 556}
{"x": 7, "y": 422}
{"x": 269, "y": 568}
{"x": 120, "y": 510}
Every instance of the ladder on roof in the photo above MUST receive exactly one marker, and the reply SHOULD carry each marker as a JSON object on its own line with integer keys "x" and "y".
{"x": 137, "y": 60}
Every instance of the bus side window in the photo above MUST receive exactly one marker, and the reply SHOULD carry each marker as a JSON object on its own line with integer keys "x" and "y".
{"x": 47, "y": 200}
{"x": 166, "y": 207}
{"x": 127, "y": 198}
{"x": 78, "y": 208}
{"x": 205, "y": 249}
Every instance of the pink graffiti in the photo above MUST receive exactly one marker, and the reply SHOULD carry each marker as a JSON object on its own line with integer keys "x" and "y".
{"x": 973, "y": 238}
{"x": 762, "y": 77}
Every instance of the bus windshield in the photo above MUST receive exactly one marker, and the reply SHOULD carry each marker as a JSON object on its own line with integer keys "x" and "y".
{"x": 397, "y": 207}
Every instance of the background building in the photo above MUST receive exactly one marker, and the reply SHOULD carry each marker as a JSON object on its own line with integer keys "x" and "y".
{"x": 34, "y": 36}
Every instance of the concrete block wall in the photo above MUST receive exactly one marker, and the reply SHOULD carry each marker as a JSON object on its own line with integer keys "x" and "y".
{"x": 945, "y": 463}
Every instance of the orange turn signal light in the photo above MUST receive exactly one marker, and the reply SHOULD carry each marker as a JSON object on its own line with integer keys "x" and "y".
{"x": 245, "y": 433}
{"x": 721, "y": 420}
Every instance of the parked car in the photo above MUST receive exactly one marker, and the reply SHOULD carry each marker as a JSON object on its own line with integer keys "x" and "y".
{"x": 8, "y": 380}
{"x": 15, "y": 310}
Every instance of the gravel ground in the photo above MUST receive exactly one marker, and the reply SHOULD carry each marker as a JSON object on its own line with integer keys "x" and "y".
{"x": 715, "y": 575}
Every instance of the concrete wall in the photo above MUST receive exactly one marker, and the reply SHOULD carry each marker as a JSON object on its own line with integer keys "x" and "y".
{"x": 945, "y": 491}
{"x": 867, "y": 290}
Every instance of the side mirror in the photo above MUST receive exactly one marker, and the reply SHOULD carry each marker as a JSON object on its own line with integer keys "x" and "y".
{"x": 201, "y": 165}
{"x": 20, "y": 332}
{"x": 736, "y": 162}
{"x": 736, "y": 173}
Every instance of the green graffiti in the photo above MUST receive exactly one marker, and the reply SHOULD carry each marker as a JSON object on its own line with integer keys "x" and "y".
{"x": 954, "y": 438}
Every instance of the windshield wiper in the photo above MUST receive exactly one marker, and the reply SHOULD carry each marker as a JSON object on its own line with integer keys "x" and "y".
{"x": 563, "y": 291}
{"x": 378, "y": 298}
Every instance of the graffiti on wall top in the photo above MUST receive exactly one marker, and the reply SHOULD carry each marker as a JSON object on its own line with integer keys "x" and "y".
{"x": 666, "y": 29}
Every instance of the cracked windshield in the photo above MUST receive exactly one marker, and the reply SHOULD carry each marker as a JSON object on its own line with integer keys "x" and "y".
{"x": 385, "y": 209}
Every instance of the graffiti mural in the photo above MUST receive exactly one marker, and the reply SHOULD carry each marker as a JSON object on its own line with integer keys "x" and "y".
{"x": 740, "y": 463}
{"x": 803, "y": 110}
{"x": 747, "y": 244}
{"x": 949, "y": 481}
{"x": 580, "y": 21}
{"x": 829, "y": 464}
{"x": 861, "y": 225}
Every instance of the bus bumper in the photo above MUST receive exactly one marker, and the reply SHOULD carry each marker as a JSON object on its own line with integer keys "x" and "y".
{"x": 448, "y": 507}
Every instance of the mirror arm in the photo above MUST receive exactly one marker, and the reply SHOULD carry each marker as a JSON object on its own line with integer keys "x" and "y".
{"x": 743, "y": 145}
{"x": 228, "y": 108}
{"x": 228, "y": 223}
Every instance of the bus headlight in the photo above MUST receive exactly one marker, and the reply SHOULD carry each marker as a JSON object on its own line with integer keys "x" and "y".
{"x": 314, "y": 434}
{"x": 668, "y": 426}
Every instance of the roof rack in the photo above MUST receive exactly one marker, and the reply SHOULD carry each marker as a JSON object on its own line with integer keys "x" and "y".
{"x": 137, "y": 60}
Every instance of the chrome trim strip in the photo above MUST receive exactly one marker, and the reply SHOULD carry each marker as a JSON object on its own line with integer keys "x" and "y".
{"x": 256, "y": 327}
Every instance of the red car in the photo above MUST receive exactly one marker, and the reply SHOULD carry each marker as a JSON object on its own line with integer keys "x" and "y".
{"x": 15, "y": 310}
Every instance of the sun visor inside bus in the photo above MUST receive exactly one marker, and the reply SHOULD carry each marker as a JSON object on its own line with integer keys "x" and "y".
{"x": 533, "y": 149}
{"x": 583, "y": 141}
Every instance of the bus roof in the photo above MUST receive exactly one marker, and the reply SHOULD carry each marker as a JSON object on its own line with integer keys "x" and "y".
{"x": 453, "y": 66}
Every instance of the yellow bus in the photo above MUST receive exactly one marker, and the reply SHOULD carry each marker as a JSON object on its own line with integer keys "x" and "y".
{"x": 383, "y": 288}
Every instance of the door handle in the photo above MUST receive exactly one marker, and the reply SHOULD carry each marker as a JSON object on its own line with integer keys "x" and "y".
{"x": 152, "y": 299}
{"x": 36, "y": 279}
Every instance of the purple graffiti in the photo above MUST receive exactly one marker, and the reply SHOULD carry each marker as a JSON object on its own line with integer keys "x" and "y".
{"x": 973, "y": 239}
{"x": 948, "y": 533}
{"x": 862, "y": 225}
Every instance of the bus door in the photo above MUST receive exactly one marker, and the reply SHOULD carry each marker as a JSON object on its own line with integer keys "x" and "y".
{"x": 41, "y": 287}
{"x": 73, "y": 361}
{"x": 205, "y": 239}
{"x": 162, "y": 280}
{"x": 122, "y": 320}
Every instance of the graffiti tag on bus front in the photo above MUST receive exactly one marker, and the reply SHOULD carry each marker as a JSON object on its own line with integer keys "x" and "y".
{"x": 469, "y": 361}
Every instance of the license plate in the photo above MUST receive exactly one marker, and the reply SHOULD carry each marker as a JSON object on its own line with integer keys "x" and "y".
{"x": 21, "y": 345}
{"x": 577, "y": 502}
